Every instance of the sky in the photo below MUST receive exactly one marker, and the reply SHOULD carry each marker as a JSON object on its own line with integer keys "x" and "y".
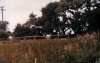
{"x": 18, "y": 11}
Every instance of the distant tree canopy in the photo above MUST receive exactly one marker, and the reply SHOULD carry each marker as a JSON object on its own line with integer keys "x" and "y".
{"x": 21, "y": 30}
{"x": 30, "y": 28}
{"x": 31, "y": 21}
{"x": 3, "y": 29}
{"x": 4, "y": 34}
{"x": 82, "y": 16}
{"x": 3, "y": 25}
{"x": 50, "y": 17}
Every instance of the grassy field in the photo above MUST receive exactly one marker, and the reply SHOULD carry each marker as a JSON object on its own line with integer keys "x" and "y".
{"x": 83, "y": 49}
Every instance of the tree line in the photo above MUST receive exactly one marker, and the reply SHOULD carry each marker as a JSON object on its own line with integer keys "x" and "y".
{"x": 81, "y": 16}
{"x": 3, "y": 29}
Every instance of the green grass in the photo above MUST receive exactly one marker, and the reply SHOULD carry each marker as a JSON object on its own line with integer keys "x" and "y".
{"x": 83, "y": 49}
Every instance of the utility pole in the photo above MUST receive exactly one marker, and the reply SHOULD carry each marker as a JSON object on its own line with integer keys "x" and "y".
{"x": 2, "y": 15}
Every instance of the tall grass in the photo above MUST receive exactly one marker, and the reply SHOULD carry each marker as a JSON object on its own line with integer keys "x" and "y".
{"x": 82, "y": 49}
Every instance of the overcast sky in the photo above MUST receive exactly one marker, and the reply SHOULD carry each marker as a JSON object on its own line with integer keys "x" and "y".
{"x": 18, "y": 11}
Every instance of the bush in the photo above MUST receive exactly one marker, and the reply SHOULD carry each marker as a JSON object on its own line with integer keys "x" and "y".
{"x": 4, "y": 34}
{"x": 82, "y": 49}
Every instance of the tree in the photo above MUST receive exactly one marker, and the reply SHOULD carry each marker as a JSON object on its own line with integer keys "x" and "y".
{"x": 4, "y": 34}
{"x": 31, "y": 21}
{"x": 69, "y": 11}
{"x": 3, "y": 29}
{"x": 53, "y": 10}
{"x": 93, "y": 19}
{"x": 21, "y": 30}
{"x": 3, "y": 25}
{"x": 50, "y": 17}
{"x": 84, "y": 14}
{"x": 30, "y": 28}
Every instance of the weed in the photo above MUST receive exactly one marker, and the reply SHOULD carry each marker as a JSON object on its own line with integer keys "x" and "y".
{"x": 83, "y": 49}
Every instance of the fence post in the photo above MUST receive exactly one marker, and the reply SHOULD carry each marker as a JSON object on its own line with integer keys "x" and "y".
{"x": 34, "y": 37}
{"x": 13, "y": 39}
{"x": 4, "y": 40}
{"x": 58, "y": 36}
{"x": 25, "y": 38}
{"x": 19, "y": 39}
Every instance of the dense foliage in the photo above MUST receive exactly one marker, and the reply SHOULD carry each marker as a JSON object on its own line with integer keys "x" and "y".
{"x": 4, "y": 34}
{"x": 3, "y": 25}
{"x": 3, "y": 29}
{"x": 82, "y": 16}
{"x": 21, "y": 30}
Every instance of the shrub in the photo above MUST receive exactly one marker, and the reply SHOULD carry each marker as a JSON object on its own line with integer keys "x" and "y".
{"x": 83, "y": 49}
{"x": 4, "y": 34}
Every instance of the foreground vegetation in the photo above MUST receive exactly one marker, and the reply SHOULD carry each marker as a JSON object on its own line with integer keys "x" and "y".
{"x": 83, "y": 49}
